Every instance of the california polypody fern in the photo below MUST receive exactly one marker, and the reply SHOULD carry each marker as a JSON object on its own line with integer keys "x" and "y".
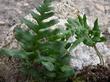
{"x": 43, "y": 53}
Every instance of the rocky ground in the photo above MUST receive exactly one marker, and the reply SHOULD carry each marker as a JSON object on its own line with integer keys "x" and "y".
{"x": 12, "y": 10}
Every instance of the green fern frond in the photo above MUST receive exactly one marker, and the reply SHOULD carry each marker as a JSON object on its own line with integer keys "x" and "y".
{"x": 43, "y": 50}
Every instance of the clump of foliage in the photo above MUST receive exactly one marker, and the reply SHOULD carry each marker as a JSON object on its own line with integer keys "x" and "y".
{"x": 83, "y": 33}
{"x": 44, "y": 51}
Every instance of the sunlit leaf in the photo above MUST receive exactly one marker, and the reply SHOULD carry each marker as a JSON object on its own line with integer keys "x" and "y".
{"x": 49, "y": 66}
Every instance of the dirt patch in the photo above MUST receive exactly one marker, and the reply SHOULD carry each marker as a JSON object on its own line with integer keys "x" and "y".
{"x": 93, "y": 74}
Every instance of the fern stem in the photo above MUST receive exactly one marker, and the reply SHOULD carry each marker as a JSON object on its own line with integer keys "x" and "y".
{"x": 99, "y": 55}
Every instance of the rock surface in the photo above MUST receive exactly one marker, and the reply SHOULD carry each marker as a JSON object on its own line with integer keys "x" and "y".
{"x": 11, "y": 11}
{"x": 82, "y": 54}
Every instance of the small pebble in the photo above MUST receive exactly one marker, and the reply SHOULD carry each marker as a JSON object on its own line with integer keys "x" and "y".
{"x": 2, "y": 23}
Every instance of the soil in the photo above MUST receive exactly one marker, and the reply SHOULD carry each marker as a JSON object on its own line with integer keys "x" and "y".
{"x": 97, "y": 73}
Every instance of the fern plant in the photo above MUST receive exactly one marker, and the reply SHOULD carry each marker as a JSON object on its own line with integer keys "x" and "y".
{"x": 83, "y": 33}
{"x": 44, "y": 51}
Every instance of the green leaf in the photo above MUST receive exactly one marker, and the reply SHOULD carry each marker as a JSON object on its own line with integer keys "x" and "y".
{"x": 96, "y": 30}
{"x": 44, "y": 8}
{"x": 68, "y": 26}
{"x": 37, "y": 17}
{"x": 52, "y": 35}
{"x": 53, "y": 48}
{"x": 89, "y": 42}
{"x": 51, "y": 23}
{"x": 47, "y": 15}
{"x": 85, "y": 22}
{"x": 40, "y": 18}
{"x": 66, "y": 59}
{"x": 23, "y": 35}
{"x": 76, "y": 42}
{"x": 51, "y": 74}
{"x": 80, "y": 20}
{"x": 67, "y": 70}
{"x": 15, "y": 53}
{"x": 26, "y": 39}
{"x": 99, "y": 39}
{"x": 31, "y": 25}
{"x": 48, "y": 59}
{"x": 102, "y": 39}
{"x": 68, "y": 45}
{"x": 46, "y": 25}
{"x": 49, "y": 66}
{"x": 73, "y": 23}
{"x": 40, "y": 9}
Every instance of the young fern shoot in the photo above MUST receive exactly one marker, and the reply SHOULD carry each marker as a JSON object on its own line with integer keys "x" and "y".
{"x": 83, "y": 33}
